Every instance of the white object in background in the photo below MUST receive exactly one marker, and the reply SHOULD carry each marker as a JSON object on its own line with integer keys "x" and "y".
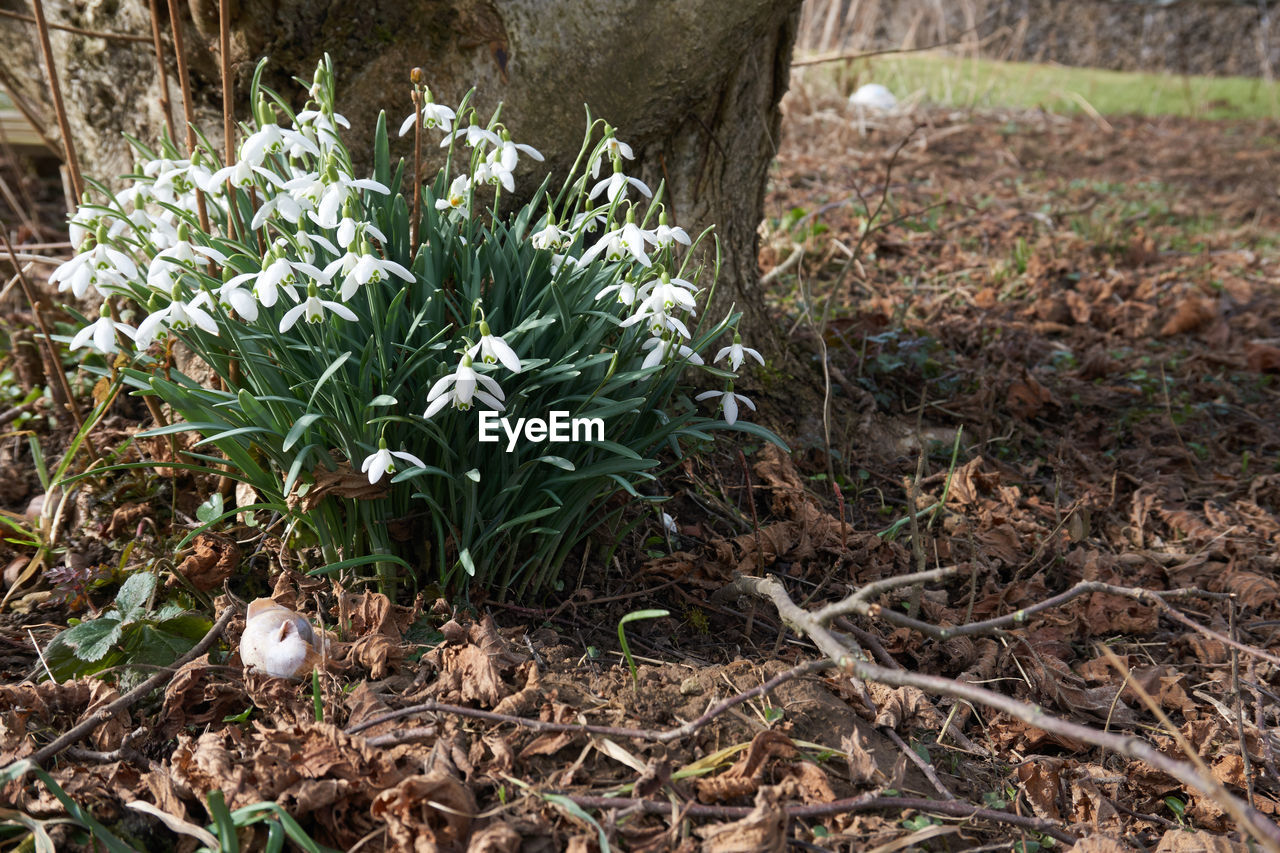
{"x": 278, "y": 641}
{"x": 873, "y": 96}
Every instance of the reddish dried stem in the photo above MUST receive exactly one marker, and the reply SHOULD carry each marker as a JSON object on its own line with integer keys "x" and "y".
{"x": 60, "y": 110}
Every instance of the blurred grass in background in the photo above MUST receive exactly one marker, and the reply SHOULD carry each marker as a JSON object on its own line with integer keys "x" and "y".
{"x": 934, "y": 78}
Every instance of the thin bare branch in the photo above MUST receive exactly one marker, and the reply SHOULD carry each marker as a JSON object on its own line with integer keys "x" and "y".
{"x": 162, "y": 77}
{"x": 59, "y": 109}
{"x": 807, "y": 624}
{"x": 55, "y": 363}
{"x": 67, "y": 28}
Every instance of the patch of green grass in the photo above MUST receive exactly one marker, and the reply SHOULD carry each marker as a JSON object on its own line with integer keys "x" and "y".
{"x": 955, "y": 81}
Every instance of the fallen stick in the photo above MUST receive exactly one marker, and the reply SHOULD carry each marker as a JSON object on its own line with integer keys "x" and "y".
{"x": 808, "y": 624}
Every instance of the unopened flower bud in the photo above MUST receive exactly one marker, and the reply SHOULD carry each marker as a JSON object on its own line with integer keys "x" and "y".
{"x": 417, "y": 76}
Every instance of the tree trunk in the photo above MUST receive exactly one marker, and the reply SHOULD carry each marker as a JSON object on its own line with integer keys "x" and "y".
{"x": 692, "y": 85}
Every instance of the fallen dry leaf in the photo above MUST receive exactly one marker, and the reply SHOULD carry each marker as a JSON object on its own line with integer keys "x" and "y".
{"x": 764, "y": 830}
{"x": 1027, "y": 398}
{"x": 1040, "y": 781}
{"x": 495, "y": 838}
{"x": 342, "y": 482}
{"x": 1193, "y": 312}
{"x": 1262, "y": 358}
{"x": 742, "y": 778}
{"x": 432, "y": 813}
{"x": 212, "y": 560}
{"x": 862, "y": 764}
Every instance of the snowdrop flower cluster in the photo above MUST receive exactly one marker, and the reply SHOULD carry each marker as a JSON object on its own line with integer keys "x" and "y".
{"x": 336, "y": 340}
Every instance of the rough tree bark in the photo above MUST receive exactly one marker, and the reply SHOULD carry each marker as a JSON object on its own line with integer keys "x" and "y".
{"x": 692, "y": 85}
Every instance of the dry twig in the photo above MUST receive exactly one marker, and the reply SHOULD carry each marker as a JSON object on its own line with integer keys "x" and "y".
{"x": 808, "y": 624}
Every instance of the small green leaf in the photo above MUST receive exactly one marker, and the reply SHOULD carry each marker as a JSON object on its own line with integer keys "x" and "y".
{"x": 133, "y": 595}
{"x": 238, "y": 718}
{"x": 93, "y": 639}
{"x": 210, "y": 509}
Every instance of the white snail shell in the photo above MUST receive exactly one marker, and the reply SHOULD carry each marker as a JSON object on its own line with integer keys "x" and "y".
{"x": 278, "y": 641}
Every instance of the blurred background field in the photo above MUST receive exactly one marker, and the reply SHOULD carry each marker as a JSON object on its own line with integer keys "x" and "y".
{"x": 1194, "y": 59}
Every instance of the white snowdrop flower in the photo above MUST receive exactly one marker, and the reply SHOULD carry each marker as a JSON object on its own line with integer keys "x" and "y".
{"x": 83, "y": 223}
{"x": 493, "y": 349}
{"x": 551, "y": 236}
{"x": 558, "y": 261}
{"x": 241, "y": 174}
{"x": 588, "y": 221}
{"x": 279, "y": 273}
{"x": 625, "y": 289}
{"x": 663, "y": 349}
{"x": 101, "y": 267}
{"x": 508, "y": 153}
{"x": 306, "y": 189}
{"x": 728, "y": 403}
{"x": 619, "y": 244}
{"x": 436, "y": 116}
{"x": 474, "y": 135}
{"x": 289, "y": 207}
{"x": 233, "y": 297}
{"x": 306, "y": 245}
{"x": 669, "y": 524}
{"x": 667, "y": 293}
{"x": 176, "y": 317}
{"x": 317, "y": 127}
{"x": 456, "y": 200}
{"x": 101, "y": 334}
{"x": 171, "y": 178}
{"x": 313, "y": 308}
{"x": 169, "y": 265}
{"x": 382, "y": 462}
{"x": 737, "y": 353}
{"x": 660, "y": 323}
{"x": 613, "y": 151}
{"x": 339, "y": 189}
{"x": 461, "y": 387}
{"x": 495, "y": 174}
{"x": 666, "y": 236}
{"x": 273, "y": 139}
{"x": 360, "y": 268}
{"x": 349, "y": 230}
{"x": 616, "y": 184}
